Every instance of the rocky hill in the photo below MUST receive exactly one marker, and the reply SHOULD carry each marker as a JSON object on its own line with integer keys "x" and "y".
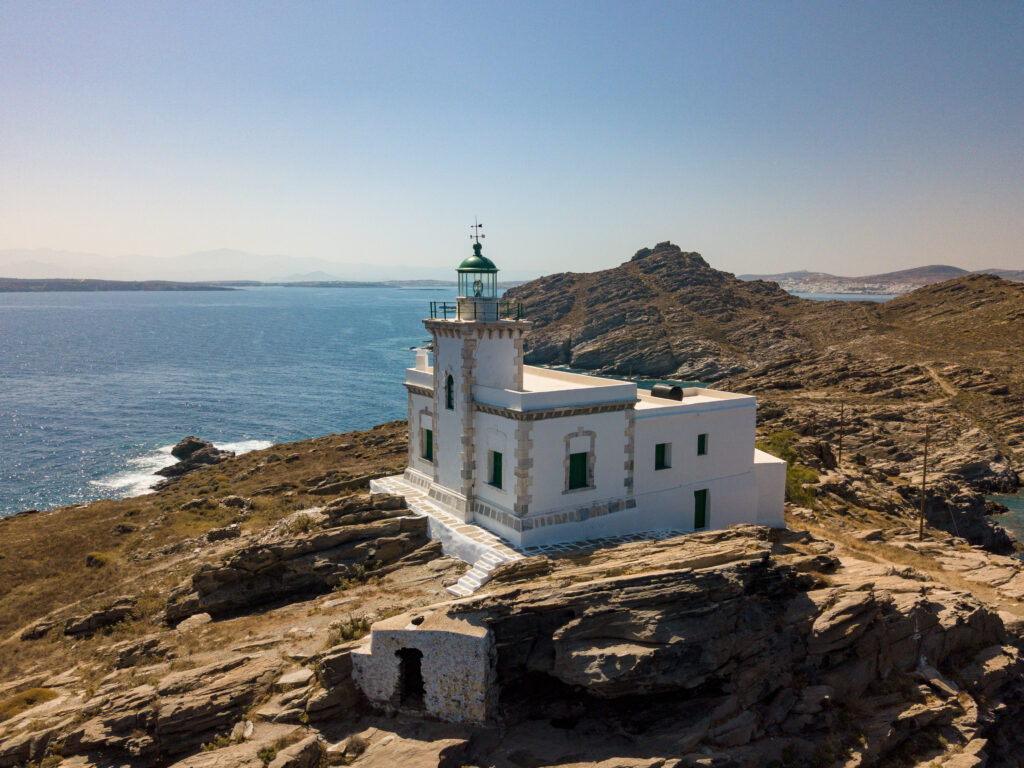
{"x": 666, "y": 313}
{"x": 949, "y": 357}
{"x": 212, "y": 624}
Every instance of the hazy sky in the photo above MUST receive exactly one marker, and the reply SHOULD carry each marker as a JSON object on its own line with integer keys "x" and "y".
{"x": 851, "y": 137}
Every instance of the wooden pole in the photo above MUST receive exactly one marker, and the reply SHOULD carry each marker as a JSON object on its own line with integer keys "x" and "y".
{"x": 924, "y": 486}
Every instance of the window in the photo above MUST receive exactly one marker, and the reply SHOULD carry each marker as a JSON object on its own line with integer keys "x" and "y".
{"x": 428, "y": 444}
{"x": 700, "y": 509}
{"x": 495, "y": 466}
{"x": 702, "y": 445}
{"x": 449, "y": 393}
{"x": 663, "y": 455}
{"x": 579, "y": 470}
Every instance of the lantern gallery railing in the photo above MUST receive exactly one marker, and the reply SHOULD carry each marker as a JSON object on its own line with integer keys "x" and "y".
{"x": 477, "y": 310}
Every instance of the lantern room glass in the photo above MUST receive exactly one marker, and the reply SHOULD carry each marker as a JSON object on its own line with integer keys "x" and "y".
{"x": 478, "y": 285}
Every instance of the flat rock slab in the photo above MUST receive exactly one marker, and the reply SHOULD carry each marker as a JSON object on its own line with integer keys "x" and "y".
{"x": 298, "y": 679}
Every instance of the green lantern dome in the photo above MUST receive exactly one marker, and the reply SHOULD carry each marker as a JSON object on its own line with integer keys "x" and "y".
{"x": 477, "y": 262}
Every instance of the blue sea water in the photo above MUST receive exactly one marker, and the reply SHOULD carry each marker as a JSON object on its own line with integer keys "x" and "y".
{"x": 876, "y": 297}
{"x": 1012, "y": 521}
{"x": 95, "y": 388}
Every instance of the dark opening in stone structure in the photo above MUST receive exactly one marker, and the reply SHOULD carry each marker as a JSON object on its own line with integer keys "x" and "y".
{"x": 410, "y": 673}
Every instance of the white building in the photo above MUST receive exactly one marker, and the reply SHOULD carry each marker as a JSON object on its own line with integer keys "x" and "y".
{"x": 539, "y": 456}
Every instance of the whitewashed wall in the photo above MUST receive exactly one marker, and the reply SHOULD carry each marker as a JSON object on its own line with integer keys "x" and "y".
{"x": 548, "y": 483}
{"x": 730, "y": 446}
{"x": 448, "y": 429}
{"x": 419, "y": 421}
{"x": 494, "y": 433}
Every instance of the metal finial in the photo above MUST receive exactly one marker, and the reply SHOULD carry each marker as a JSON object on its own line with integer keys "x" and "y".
{"x": 476, "y": 227}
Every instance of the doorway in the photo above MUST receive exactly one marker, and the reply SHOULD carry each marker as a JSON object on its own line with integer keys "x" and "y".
{"x": 410, "y": 677}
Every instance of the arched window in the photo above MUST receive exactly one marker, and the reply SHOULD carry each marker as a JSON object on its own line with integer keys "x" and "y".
{"x": 449, "y": 393}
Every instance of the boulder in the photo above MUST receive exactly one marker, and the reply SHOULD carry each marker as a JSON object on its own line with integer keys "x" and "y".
{"x": 193, "y": 454}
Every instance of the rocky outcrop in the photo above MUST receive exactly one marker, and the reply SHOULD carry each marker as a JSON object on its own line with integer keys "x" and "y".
{"x": 308, "y": 553}
{"x": 112, "y": 613}
{"x": 192, "y": 454}
{"x": 733, "y": 644}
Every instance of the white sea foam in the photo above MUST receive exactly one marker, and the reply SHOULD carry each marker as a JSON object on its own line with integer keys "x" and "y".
{"x": 244, "y": 446}
{"x": 140, "y": 476}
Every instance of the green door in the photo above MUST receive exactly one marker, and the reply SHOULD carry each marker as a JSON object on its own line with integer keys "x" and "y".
{"x": 700, "y": 509}
{"x": 578, "y": 470}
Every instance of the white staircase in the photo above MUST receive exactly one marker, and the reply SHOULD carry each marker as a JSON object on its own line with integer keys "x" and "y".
{"x": 466, "y": 541}
{"x": 479, "y": 574}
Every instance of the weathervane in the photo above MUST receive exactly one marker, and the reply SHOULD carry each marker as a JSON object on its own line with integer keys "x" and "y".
{"x": 476, "y": 227}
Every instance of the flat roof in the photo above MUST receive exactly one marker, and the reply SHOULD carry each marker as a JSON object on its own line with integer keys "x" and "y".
{"x": 537, "y": 379}
{"x": 691, "y": 396}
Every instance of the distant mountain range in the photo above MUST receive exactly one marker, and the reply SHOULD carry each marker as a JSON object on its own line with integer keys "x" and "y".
{"x": 902, "y": 281}
{"x": 220, "y": 265}
{"x": 15, "y": 285}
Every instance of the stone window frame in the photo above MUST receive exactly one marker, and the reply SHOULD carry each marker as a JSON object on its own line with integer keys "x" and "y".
{"x": 591, "y": 459}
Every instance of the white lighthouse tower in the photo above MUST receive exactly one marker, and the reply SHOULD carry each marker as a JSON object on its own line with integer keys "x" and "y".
{"x": 476, "y": 342}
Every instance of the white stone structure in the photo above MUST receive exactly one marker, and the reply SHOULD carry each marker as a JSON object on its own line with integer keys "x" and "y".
{"x": 541, "y": 456}
{"x": 428, "y": 663}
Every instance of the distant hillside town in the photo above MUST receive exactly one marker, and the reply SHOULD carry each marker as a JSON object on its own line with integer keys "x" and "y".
{"x": 888, "y": 283}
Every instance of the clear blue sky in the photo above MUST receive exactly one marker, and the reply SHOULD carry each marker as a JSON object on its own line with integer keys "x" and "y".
{"x": 851, "y": 137}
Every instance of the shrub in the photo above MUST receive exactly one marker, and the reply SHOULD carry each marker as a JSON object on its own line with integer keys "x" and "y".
{"x": 798, "y": 477}
{"x": 96, "y": 560}
{"x": 19, "y": 702}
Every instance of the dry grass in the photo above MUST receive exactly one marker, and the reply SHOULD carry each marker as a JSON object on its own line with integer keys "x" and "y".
{"x": 44, "y": 565}
{"x": 25, "y": 700}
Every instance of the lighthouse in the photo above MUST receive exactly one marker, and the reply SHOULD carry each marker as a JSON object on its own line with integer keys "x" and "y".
{"x": 538, "y": 457}
{"x": 477, "y": 342}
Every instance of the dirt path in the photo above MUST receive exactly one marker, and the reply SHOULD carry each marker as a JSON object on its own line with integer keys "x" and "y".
{"x": 948, "y": 388}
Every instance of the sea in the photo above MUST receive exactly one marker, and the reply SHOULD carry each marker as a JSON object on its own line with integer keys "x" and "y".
{"x": 96, "y": 388}
{"x": 1012, "y": 521}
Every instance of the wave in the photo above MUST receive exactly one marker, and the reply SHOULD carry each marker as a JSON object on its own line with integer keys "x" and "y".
{"x": 140, "y": 475}
{"x": 244, "y": 446}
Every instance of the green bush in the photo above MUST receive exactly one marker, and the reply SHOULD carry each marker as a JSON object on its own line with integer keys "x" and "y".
{"x": 798, "y": 477}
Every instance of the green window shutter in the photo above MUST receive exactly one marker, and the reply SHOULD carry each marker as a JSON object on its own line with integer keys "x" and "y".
{"x": 702, "y": 445}
{"x": 428, "y": 444}
{"x": 700, "y": 509}
{"x": 578, "y": 470}
{"x": 660, "y": 459}
{"x": 496, "y": 469}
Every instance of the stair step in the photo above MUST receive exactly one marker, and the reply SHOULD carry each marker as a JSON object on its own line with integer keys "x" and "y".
{"x": 459, "y": 591}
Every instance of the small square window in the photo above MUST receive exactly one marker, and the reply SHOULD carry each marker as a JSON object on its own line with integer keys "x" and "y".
{"x": 702, "y": 445}
{"x": 428, "y": 444}
{"x": 579, "y": 470}
{"x": 494, "y": 463}
{"x": 663, "y": 456}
